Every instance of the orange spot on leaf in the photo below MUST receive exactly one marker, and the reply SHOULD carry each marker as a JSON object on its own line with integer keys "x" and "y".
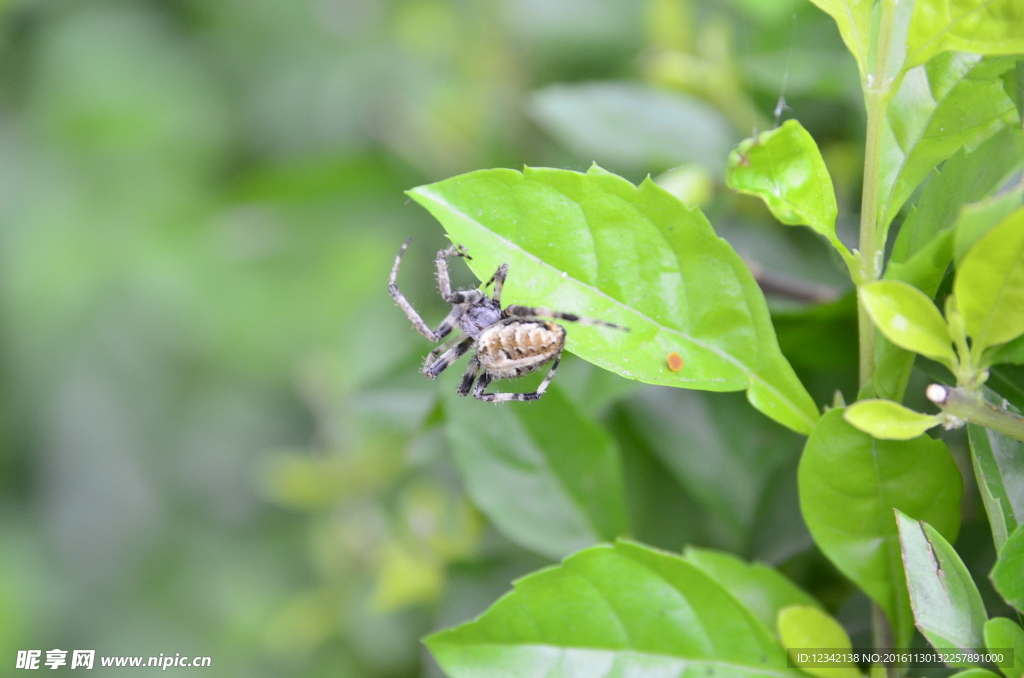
{"x": 675, "y": 361}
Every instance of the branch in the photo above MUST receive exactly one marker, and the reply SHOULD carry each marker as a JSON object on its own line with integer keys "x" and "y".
{"x": 790, "y": 287}
{"x": 964, "y": 406}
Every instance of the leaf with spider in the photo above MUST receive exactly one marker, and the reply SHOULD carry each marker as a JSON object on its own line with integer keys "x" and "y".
{"x": 597, "y": 245}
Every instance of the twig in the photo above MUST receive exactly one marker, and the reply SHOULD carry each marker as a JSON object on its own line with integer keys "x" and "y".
{"x": 967, "y": 407}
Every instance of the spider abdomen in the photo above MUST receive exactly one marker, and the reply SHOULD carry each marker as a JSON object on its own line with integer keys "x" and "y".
{"x": 519, "y": 347}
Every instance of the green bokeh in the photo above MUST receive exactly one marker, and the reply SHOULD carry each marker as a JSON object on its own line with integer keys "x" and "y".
{"x": 213, "y": 437}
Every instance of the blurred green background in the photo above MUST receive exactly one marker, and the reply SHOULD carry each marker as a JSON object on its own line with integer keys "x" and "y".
{"x": 215, "y": 440}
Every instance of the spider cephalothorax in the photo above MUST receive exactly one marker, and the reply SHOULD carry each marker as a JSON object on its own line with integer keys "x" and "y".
{"x": 510, "y": 341}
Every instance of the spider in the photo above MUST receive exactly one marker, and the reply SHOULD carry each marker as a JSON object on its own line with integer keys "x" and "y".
{"x": 510, "y": 341}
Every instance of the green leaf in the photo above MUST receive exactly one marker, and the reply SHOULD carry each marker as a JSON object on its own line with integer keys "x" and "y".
{"x": 909, "y": 319}
{"x": 853, "y": 17}
{"x": 820, "y": 342}
{"x": 762, "y": 590}
{"x": 597, "y": 245}
{"x": 592, "y": 389}
{"x": 804, "y": 627}
{"x": 633, "y": 126}
{"x": 1008, "y": 382}
{"x": 1010, "y": 352}
{"x": 612, "y": 610}
{"x": 889, "y": 420}
{"x": 719, "y": 450}
{"x": 978, "y": 218}
{"x": 989, "y": 285}
{"x": 924, "y": 245}
{"x": 947, "y": 606}
{"x": 784, "y": 168}
{"x": 546, "y": 476}
{"x": 975, "y": 673}
{"x": 998, "y": 462}
{"x": 955, "y": 100}
{"x": 849, "y": 485}
{"x": 988, "y": 27}
{"x": 1003, "y": 633}
{"x": 967, "y": 177}
{"x": 1006, "y": 575}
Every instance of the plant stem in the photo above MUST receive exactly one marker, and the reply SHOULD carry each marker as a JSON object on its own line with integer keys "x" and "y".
{"x": 877, "y": 93}
{"x": 872, "y": 246}
{"x": 964, "y": 405}
{"x": 882, "y": 635}
{"x": 869, "y": 252}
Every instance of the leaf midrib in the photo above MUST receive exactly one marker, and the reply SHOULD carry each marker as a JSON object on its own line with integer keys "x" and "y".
{"x": 751, "y": 375}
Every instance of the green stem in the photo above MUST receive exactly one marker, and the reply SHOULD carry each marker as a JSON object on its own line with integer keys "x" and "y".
{"x": 882, "y": 634}
{"x": 963, "y": 405}
{"x": 872, "y": 247}
{"x": 872, "y": 238}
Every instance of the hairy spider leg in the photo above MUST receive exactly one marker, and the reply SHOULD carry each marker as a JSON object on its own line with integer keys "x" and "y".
{"x": 438, "y": 350}
{"x": 499, "y": 281}
{"x": 460, "y": 299}
{"x": 432, "y": 369}
{"x": 469, "y": 376}
{"x": 485, "y": 379}
{"x": 516, "y": 311}
{"x": 444, "y": 282}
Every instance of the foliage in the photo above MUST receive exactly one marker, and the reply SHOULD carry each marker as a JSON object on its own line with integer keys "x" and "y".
{"x": 881, "y": 500}
{"x": 214, "y": 431}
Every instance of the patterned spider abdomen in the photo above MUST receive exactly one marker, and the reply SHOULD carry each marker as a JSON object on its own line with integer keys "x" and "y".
{"x": 519, "y": 347}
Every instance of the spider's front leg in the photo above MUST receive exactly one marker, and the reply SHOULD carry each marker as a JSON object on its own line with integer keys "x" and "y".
{"x": 516, "y": 311}
{"x": 485, "y": 379}
{"x": 444, "y": 282}
{"x": 446, "y": 325}
{"x": 435, "y": 366}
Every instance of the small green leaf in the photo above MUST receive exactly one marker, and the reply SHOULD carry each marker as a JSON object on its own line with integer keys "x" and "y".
{"x": 759, "y": 588}
{"x": 853, "y": 17}
{"x": 978, "y": 218}
{"x": 547, "y": 477}
{"x": 889, "y": 420}
{"x": 967, "y": 177}
{"x": 1003, "y": 633}
{"x": 1006, "y": 575}
{"x": 908, "y": 319}
{"x": 989, "y": 27}
{"x": 804, "y": 627}
{"x": 634, "y": 126}
{"x": 849, "y": 485}
{"x": 946, "y": 603}
{"x": 998, "y": 462}
{"x": 612, "y": 610}
{"x": 924, "y": 245}
{"x": 989, "y": 285}
{"x": 597, "y": 245}
{"x": 784, "y": 168}
{"x": 955, "y": 100}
